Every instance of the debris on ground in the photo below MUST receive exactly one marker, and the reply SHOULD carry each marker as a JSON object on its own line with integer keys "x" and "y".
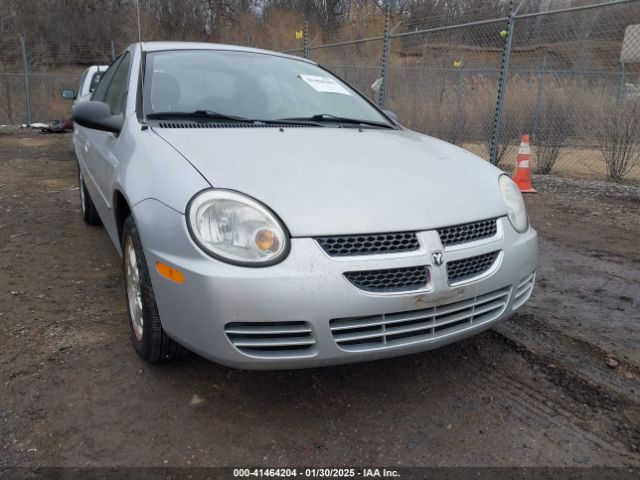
{"x": 612, "y": 362}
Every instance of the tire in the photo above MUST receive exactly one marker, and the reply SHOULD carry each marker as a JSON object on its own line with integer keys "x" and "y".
{"x": 149, "y": 339}
{"x": 89, "y": 212}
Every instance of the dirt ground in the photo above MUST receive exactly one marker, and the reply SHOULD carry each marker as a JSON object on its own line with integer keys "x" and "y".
{"x": 537, "y": 390}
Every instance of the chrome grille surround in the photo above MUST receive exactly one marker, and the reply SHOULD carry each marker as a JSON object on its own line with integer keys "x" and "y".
{"x": 272, "y": 339}
{"x": 468, "y": 268}
{"x": 390, "y": 280}
{"x": 371, "y": 244}
{"x": 467, "y": 232}
{"x": 399, "y": 329}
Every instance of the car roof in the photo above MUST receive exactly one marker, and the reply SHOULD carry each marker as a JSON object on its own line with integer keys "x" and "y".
{"x": 160, "y": 46}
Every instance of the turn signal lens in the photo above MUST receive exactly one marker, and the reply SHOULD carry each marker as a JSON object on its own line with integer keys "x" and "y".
{"x": 266, "y": 240}
{"x": 171, "y": 273}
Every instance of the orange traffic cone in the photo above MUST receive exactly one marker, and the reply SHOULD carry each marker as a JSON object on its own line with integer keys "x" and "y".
{"x": 522, "y": 175}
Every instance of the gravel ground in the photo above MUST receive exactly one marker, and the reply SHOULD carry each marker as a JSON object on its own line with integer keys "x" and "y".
{"x": 540, "y": 389}
{"x": 617, "y": 203}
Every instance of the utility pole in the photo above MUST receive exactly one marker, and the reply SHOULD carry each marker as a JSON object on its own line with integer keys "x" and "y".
{"x": 27, "y": 84}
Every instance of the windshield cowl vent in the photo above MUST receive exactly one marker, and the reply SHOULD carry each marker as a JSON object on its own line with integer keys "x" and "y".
{"x": 230, "y": 125}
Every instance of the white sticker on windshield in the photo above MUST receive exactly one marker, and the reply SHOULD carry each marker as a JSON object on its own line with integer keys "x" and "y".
{"x": 324, "y": 84}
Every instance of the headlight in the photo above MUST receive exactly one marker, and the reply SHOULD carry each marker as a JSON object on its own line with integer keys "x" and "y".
{"x": 236, "y": 229}
{"x": 516, "y": 210}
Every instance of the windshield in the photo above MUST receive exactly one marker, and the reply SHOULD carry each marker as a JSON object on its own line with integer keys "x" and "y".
{"x": 248, "y": 85}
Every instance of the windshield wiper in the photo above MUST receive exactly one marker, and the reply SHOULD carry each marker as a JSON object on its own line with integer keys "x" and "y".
{"x": 327, "y": 117}
{"x": 211, "y": 115}
{"x": 204, "y": 114}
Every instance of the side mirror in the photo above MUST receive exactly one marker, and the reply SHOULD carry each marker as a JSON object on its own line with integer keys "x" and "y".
{"x": 69, "y": 94}
{"x": 98, "y": 116}
{"x": 391, "y": 115}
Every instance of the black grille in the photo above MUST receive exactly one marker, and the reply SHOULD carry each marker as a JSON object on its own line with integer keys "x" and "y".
{"x": 467, "y": 268}
{"x": 467, "y": 232}
{"x": 390, "y": 280}
{"x": 352, "y": 245}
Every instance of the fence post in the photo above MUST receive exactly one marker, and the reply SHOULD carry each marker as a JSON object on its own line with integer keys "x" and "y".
{"x": 504, "y": 68}
{"x": 459, "y": 107}
{"x": 305, "y": 36}
{"x": 542, "y": 73}
{"x": 621, "y": 84}
{"x": 384, "y": 63}
{"x": 113, "y": 50}
{"x": 27, "y": 86}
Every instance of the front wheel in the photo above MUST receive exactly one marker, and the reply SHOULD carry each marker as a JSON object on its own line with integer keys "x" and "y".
{"x": 149, "y": 339}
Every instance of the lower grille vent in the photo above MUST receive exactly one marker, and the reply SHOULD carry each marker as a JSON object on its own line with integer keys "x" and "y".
{"x": 271, "y": 339}
{"x": 390, "y": 280}
{"x": 396, "y": 329}
{"x": 523, "y": 290}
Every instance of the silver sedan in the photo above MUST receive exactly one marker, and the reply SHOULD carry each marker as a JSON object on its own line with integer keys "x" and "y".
{"x": 270, "y": 216}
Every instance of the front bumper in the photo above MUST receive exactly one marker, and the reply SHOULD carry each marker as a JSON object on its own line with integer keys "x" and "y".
{"x": 309, "y": 286}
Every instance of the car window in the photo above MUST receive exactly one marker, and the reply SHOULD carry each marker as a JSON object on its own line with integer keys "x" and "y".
{"x": 248, "y": 84}
{"x": 117, "y": 90}
{"x": 95, "y": 79}
{"x": 101, "y": 90}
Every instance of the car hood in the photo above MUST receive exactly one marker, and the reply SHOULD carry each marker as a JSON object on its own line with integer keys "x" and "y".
{"x": 330, "y": 181}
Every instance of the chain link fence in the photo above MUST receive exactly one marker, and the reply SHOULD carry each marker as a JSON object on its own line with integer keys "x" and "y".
{"x": 33, "y": 75}
{"x": 478, "y": 79}
{"x": 456, "y": 70}
{"x": 566, "y": 86}
{"x": 553, "y": 73}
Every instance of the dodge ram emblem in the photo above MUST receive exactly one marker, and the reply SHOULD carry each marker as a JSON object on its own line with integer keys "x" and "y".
{"x": 437, "y": 258}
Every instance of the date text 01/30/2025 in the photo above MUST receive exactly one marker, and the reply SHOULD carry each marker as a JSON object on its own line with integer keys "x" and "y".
{"x": 315, "y": 472}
